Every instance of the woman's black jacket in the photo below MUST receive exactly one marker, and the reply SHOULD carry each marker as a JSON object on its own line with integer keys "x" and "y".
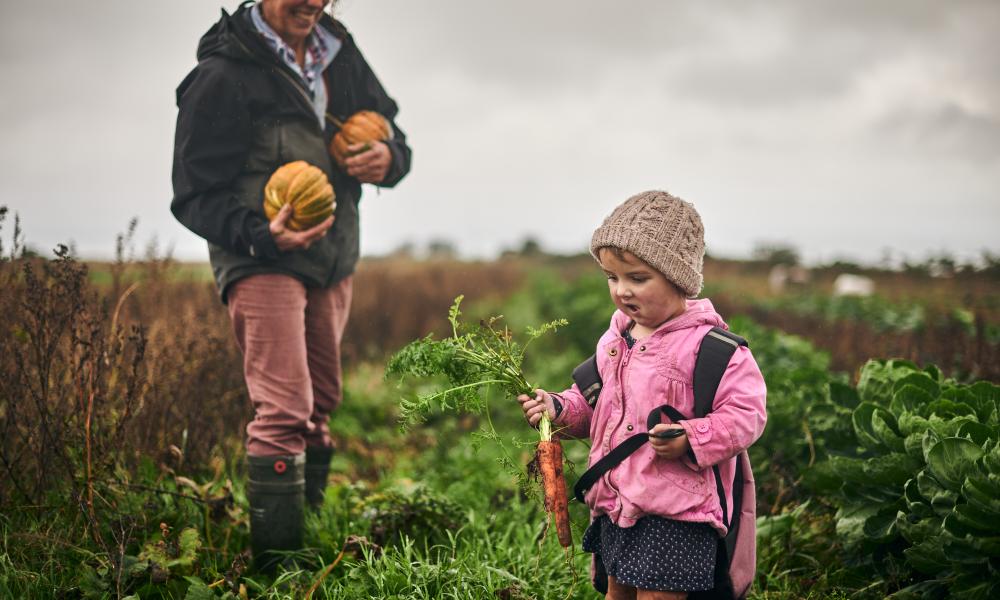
{"x": 242, "y": 114}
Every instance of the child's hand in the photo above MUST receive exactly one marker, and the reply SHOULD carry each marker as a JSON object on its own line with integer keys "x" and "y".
{"x": 669, "y": 448}
{"x": 533, "y": 407}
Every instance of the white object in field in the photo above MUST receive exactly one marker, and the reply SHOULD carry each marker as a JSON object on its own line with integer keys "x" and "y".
{"x": 847, "y": 284}
{"x": 782, "y": 276}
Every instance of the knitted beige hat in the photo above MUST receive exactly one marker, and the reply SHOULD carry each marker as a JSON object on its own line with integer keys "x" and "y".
{"x": 664, "y": 231}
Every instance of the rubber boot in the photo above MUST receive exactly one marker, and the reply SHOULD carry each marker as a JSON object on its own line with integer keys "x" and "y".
{"x": 317, "y": 475}
{"x": 276, "y": 492}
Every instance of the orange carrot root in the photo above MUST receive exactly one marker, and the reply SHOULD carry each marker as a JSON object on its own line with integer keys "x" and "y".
{"x": 550, "y": 463}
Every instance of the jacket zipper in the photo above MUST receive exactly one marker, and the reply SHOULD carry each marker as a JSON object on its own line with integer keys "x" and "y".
{"x": 285, "y": 71}
{"x": 302, "y": 91}
{"x": 621, "y": 418}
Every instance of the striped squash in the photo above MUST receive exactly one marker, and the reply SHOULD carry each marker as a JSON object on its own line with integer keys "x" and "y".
{"x": 306, "y": 188}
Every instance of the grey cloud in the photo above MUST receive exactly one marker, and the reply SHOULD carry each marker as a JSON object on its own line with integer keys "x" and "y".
{"x": 808, "y": 75}
{"x": 947, "y": 130}
{"x": 824, "y": 47}
{"x": 531, "y": 105}
{"x": 548, "y": 44}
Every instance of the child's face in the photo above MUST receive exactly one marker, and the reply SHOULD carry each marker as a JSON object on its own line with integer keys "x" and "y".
{"x": 639, "y": 290}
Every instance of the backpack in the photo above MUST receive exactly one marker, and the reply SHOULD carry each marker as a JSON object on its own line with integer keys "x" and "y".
{"x": 736, "y": 551}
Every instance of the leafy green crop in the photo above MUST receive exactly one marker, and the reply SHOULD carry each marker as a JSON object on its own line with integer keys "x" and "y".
{"x": 920, "y": 480}
{"x": 473, "y": 360}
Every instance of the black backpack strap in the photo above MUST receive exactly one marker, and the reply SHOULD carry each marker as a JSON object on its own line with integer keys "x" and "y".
{"x": 717, "y": 347}
{"x": 588, "y": 379}
{"x": 608, "y": 462}
{"x": 622, "y": 451}
{"x": 737, "y": 506}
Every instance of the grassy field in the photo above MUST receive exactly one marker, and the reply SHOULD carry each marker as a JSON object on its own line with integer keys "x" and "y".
{"x": 122, "y": 406}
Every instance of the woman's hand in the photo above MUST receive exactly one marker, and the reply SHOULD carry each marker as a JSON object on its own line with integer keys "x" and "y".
{"x": 287, "y": 239}
{"x": 669, "y": 448}
{"x": 534, "y": 407}
{"x": 370, "y": 166}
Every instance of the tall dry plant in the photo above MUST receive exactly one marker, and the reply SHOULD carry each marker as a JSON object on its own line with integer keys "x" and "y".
{"x": 69, "y": 385}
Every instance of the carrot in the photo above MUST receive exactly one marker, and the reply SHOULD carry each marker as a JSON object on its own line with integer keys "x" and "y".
{"x": 473, "y": 359}
{"x": 550, "y": 461}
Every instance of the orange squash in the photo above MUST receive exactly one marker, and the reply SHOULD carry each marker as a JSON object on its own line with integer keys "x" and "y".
{"x": 306, "y": 188}
{"x": 363, "y": 127}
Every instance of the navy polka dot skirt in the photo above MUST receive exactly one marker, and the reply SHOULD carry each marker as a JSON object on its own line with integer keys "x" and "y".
{"x": 655, "y": 553}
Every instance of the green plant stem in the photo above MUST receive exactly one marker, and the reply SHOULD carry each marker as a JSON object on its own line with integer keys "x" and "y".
{"x": 466, "y": 386}
{"x": 545, "y": 428}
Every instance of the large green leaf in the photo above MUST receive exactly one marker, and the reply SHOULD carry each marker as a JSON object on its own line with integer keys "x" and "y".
{"x": 890, "y": 470}
{"x": 915, "y": 529}
{"x": 958, "y": 528}
{"x": 931, "y": 588}
{"x": 881, "y": 527}
{"x": 991, "y": 462}
{"x": 952, "y": 460}
{"x": 919, "y": 379}
{"x": 887, "y": 431}
{"x": 947, "y": 409}
{"x": 930, "y": 439}
{"x": 976, "y": 520}
{"x": 987, "y": 545}
{"x": 911, "y": 398}
{"x": 942, "y": 500}
{"x": 985, "y": 399}
{"x": 877, "y": 377}
{"x": 851, "y": 522}
{"x": 918, "y": 506}
{"x": 911, "y": 423}
{"x": 830, "y": 426}
{"x": 849, "y": 470}
{"x": 945, "y": 427}
{"x": 878, "y": 495}
{"x": 823, "y": 478}
{"x": 200, "y": 591}
{"x": 774, "y": 527}
{"x": 928, "y": 556}
{"x": 914, "y": 447}
{"x": 843, "y": 395}
{"x": 977, "y": 432}
{"x": 982, "y": 493}
{"x": 868, "y": 433}
{"x": 960, "y": 550}
{"x": 975, "y": 586}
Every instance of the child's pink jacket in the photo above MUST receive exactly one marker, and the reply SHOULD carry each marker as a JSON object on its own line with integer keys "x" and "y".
{"x": 658, "y": 370}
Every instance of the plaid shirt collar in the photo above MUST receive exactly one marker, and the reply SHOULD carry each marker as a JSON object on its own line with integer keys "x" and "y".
{"x": 321, "y": 47}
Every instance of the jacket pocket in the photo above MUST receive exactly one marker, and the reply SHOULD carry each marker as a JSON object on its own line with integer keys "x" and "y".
{"x": 668, "y": 366}
{"x": 266, "y": 149}
{"x": 674, "y": 472}
{"x": 668, "y": 488}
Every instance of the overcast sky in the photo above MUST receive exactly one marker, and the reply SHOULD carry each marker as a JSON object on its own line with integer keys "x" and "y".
{"x": 843, "y": 128}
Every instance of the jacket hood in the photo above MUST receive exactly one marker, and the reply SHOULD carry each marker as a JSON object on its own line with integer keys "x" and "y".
{"x": 698, "y": 313}
{"x": 228, "y": 36}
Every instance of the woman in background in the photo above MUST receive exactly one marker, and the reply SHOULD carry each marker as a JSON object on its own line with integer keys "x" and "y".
{"x": 268, "y": 80}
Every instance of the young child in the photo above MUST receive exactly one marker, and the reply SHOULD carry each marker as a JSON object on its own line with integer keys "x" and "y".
{"x": 657, "y": 515}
